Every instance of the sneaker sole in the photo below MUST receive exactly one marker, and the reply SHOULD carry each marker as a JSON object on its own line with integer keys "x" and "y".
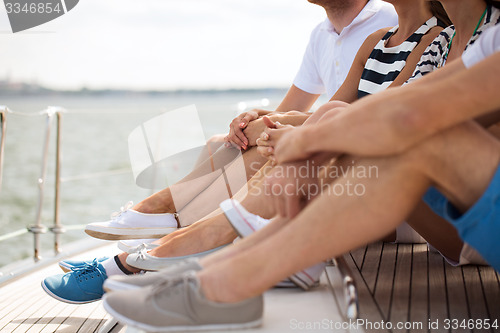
{"x": 129, "y": 233}
{"x": 51, "y": 294}
{"x": 149, "y": 328}
{"x": 232, "y": 214}
{"x": 301, "y": 283}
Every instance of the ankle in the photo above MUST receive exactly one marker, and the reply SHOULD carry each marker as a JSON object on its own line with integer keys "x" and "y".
{"x": 216, "y": 289}
{"x": 121, "y": 262}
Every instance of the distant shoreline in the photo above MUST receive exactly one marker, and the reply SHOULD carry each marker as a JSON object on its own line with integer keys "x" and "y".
{"x": 9, "y": 90}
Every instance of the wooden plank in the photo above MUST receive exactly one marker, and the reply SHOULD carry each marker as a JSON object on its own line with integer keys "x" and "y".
{"x": 358, "y": 256}
{"x": 385, "y": 279}
{"x": 437, "y": 293}
{"x": 457, "y": 297}
{"x": 53, "y": 311}
{"x": 368, "y": 308}
{"x": 94, "y": 320}
{"x": 29, "y": 317}
{"x": 419, "y": 309}
{"x": 17, "y": 306}
{"x": 400, "y": 304}
{"x": 56, "y": 324}
{"x": 371, "y": 265}
{"x": 80, "y": 315}
{"x": 491, "y": 289}
{"x": 474, "y": 292}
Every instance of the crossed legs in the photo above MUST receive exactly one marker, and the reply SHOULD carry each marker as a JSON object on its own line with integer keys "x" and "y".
{"x": 332, "y": 225}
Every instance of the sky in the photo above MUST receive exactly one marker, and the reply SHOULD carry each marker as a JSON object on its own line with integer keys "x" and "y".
{"x": 162, "y": 44}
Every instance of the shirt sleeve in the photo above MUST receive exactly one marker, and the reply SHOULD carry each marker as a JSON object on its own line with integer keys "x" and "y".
{"x": 486, "y": 45}
{"x": 308, "y": 78}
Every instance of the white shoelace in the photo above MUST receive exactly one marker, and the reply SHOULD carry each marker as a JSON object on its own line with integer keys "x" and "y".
{"x": 123, "y": 209}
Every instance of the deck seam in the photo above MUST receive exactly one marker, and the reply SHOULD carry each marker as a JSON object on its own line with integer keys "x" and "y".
{"x": 378, "y": 270}
{"x": 469, "y": 312}
{"x": 391, "y": 297}
{"x": 484, "y": 294}
{"x": 408, "y": 317}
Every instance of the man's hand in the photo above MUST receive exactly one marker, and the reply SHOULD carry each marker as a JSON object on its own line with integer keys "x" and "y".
{"x": 292, "y": 146}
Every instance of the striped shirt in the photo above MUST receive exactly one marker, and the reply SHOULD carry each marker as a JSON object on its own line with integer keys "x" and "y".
{"x": 385, "y": 63}
{"x": 434, "y": 56}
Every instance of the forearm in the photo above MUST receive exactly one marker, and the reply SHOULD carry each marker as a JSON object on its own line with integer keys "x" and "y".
{"x": 391, "y": 121}
{"x": 297, "y": 99}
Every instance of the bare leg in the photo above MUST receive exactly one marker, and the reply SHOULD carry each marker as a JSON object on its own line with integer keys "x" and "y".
{"x": 388, "y": 199}
{"x": 436, "y": 230}
{"x": 213, "y": 231}
{"x": 176, "y": 197}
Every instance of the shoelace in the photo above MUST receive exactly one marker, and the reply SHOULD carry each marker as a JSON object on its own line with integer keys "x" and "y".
{"x": 87, "y": 270}
{"x": 141, "y": 255}
{"x": 123, "y": 209}
{"x": 139, "y": 248}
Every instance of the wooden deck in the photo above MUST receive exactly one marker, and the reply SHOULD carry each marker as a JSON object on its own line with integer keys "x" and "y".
{"x": 25, "y": 307}
{"x": 395, "y": 283}
{"x": 405, "y": 283}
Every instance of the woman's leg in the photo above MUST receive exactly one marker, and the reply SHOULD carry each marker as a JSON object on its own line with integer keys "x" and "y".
{"x": 184, "y": 192}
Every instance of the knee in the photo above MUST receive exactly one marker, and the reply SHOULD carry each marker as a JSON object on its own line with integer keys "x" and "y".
{"x": 217, "y": 138}
{"x": 326, "y": 110}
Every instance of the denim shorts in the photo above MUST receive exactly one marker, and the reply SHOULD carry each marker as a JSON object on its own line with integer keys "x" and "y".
{"x": 480, "y": 225}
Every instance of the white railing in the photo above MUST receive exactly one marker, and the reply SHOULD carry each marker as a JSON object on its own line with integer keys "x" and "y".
{"x": 38, "y": 228}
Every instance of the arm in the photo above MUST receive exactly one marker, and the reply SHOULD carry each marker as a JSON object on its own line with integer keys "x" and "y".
{"x": 348, "y": 91}
{"x": 297, "y": 99}
{"x": 391, "y": 121}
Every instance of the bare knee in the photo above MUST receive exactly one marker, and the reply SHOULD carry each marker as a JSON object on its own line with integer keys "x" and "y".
{"x": 325, "y": 109}
{"x": 217, "y": 138}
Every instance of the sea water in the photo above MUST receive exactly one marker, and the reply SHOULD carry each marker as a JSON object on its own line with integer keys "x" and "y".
{"x": 96, "y": 177}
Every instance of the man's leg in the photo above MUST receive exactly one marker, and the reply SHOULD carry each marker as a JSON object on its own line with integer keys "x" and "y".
{"x": 437, "y": 231}
{"x": 332, "y": 225}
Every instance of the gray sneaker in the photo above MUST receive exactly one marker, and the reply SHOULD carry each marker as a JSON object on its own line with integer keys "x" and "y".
{"x": 179, "y": 305}
{"x": 130, "y": 282}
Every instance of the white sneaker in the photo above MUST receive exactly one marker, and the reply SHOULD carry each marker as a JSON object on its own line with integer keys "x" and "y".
{"x": 131, "y": 245}
{"x": 131, "y": 224}
{"x": 246, "y": 223}
{"x": 243, "y": 222}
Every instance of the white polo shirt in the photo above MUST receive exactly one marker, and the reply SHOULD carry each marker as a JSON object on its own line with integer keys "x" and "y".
{"x": 329, "y": 55}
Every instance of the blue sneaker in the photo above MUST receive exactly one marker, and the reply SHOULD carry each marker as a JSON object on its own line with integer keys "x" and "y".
{"x": 81, "y": 285}
{"x": 68, "y": 265}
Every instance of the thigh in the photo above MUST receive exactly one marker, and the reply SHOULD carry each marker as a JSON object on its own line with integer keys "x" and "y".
{"x": 460, "y": 161}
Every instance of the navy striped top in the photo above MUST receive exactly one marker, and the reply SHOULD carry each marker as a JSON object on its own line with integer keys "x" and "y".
{"x": 385, "y": 63}
{"x": 433, "y": 57}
